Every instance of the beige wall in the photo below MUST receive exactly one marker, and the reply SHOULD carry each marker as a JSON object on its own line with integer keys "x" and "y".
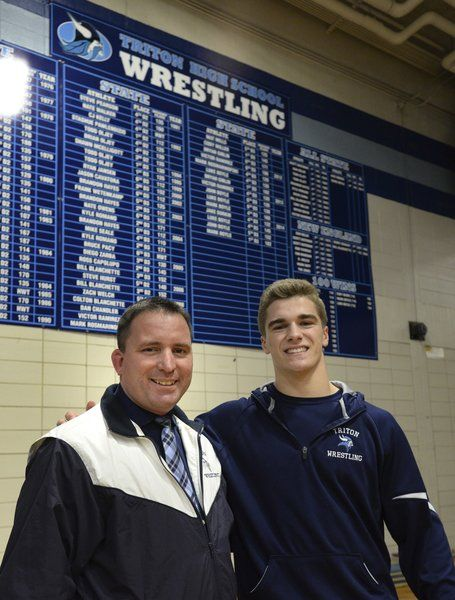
{"x": 43, "y": 372}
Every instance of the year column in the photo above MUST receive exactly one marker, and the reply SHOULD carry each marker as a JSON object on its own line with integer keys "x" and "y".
{"x": 46, "y": 218}
{"x": 169, "y": 258}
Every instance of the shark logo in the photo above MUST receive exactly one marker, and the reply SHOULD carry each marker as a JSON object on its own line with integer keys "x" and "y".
{"x": 346, "y": 442}
{"x": 81, "y": 39}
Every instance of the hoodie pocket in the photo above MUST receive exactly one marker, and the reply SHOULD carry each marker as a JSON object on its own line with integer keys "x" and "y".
{"x": 338, "y": 576}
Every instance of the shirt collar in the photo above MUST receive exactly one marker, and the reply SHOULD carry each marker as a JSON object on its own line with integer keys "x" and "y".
{"x": 285, "y": 399}
{"x": 117, "y": 416}
{"x": 136, "y": 413}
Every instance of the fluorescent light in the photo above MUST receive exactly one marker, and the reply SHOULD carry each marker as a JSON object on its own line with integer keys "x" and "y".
{"x": 13, "y": 85}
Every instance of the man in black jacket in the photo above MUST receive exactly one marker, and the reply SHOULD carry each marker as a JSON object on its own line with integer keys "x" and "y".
{"x": 127, "y": 501}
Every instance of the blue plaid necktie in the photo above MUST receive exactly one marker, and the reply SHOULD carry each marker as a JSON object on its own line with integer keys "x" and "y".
{"x": 175, "y": 461}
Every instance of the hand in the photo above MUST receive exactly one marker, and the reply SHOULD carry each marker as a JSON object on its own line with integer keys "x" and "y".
{"x": 72, "y": 415}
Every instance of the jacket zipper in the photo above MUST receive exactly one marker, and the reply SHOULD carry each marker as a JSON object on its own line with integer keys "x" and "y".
{"x": 305, "y": 449}
{"x": 201, "y": 480}
{"x": 338, "y": 423}
{"x": 204, "y": 519}
{"x": 199, "y": 514}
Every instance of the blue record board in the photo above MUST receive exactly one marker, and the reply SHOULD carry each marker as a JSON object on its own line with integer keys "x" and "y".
{"x": 28, "y": 202}
{"x": 238, "y": 224}
{"x": 177, "y": 176}
{"x": 330, "y": 242}
{"x": 124, "y": 233}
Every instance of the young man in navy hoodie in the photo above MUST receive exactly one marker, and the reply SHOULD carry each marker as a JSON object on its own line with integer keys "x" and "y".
{"x": 314, "y": 471}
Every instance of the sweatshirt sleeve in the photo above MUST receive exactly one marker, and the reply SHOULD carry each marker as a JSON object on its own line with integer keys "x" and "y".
{"x": 424, "y": 552}
{"x": 57, "y": 525}
{"x": 221, "y": 423}
{"x": 211, "y": 431}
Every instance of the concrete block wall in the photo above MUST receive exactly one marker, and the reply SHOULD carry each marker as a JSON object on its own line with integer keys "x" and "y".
{"x": 45, "y": 372}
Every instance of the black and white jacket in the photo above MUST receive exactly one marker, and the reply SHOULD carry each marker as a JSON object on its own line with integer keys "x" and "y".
{"x": 101, "y": 517}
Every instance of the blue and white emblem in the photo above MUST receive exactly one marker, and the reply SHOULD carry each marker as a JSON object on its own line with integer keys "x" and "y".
{"x": 346, "y": 442}
{"x": 345, "y": 445}
{"x": 81, "y": 39}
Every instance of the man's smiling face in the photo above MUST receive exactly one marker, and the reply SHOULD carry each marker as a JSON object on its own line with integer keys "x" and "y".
{"x": 156, "y": 365}
{"x": 294, "y": 337}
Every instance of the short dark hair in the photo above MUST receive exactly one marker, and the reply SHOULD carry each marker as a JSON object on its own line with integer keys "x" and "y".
{"x": 151, "y": 304}
{"x": 288, "y": 288}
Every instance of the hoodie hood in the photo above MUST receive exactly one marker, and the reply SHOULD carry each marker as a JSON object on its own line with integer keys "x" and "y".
{"x": 351, "y": 403}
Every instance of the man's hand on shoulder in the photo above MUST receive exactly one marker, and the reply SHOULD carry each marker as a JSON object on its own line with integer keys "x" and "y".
{"x": 72, "y": 415}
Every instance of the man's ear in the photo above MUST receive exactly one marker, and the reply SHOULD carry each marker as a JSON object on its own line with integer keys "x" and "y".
{"x": 264, "y": 345}
{"x": 325, "y": 337}
{"x": 117, "y": 360}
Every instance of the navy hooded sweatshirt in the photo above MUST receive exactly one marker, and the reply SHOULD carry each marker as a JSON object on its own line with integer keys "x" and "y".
{"x": 310, "y": 517}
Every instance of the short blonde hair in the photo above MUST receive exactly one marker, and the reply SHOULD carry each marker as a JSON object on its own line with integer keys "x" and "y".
{"x": 288, "y": 288}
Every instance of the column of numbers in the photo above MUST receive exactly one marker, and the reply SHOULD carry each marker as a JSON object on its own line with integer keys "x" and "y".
{"x": 143, "y": 189}
{"x": 177, "y": 203}
{"x": 46, "y": 217}
{"x": 25, "y": 147}
{"x": 251, "y": 192}
{"x": 161, "y": 256}
{"x": 6, "y": 213}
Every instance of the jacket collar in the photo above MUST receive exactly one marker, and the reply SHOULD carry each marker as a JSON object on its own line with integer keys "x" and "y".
{"x": 119, "y": 422}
